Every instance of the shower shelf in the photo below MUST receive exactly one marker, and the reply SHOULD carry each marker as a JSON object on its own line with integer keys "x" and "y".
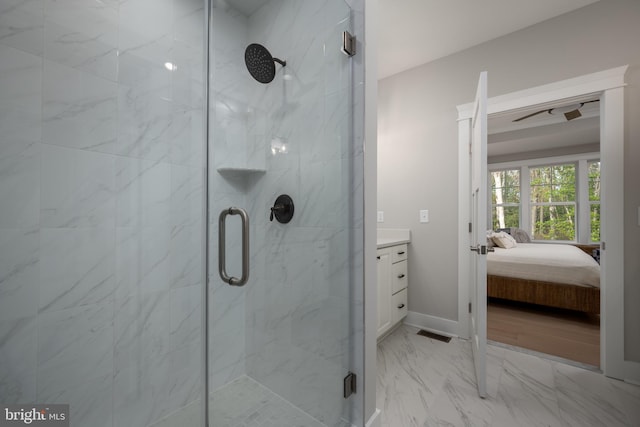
{"x": 239, "y": 171}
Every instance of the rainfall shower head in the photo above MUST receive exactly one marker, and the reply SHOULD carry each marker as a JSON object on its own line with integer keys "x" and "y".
{"x": 260, "y": 63}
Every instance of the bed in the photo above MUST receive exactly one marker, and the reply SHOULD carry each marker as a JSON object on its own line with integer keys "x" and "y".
{"x": 554, "y": 275}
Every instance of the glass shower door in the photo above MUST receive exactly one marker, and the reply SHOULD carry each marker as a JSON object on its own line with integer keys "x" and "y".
{"x": 280, "y": 346}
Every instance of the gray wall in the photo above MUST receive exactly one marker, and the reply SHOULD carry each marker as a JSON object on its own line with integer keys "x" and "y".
{"x": 417, "y": 141}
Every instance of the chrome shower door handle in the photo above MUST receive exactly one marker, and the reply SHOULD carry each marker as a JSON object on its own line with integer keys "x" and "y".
{"x": 222, "y": 238}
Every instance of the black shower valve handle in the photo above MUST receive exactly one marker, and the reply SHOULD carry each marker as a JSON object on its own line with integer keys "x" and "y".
{"x": 275, "y": 208}
{"x": 282, "y": 209}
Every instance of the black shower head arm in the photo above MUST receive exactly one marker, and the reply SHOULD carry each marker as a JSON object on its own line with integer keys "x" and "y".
{"x": 280, "y": 61}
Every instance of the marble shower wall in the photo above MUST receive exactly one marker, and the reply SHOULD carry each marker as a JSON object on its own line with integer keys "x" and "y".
{"x": 100, "y": 182}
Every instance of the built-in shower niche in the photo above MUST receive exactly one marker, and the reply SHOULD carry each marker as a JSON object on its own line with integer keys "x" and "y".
{"x": 238, "y": 138}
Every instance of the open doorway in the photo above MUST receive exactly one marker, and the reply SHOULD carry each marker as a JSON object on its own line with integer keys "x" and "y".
{"x": 544, "y": 193}
{"x": 608, "y": 87}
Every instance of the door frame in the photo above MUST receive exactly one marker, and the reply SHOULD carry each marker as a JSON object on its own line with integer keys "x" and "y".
{"x": 608, "y": 85}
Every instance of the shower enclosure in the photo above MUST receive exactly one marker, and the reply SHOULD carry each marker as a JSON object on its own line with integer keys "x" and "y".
{"x": 126, "y": 128}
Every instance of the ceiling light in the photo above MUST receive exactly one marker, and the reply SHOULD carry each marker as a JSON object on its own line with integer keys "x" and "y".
{"x": 565, "y": 109}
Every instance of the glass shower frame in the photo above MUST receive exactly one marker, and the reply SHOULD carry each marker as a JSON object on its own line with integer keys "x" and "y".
{"x": 295, "y": 330}
{"x": 105, "y": 190}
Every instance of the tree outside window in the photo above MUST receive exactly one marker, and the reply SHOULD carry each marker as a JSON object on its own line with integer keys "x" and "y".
{"x": 505, "y": 198}
{"x": 545, "y": 201}
{"x": 594, "y": 199}
{"x": 553, "y": 202}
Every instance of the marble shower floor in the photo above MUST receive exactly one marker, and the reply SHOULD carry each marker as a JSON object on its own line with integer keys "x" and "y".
{"x": 246, "y": 403}
{"x": 424, "y": 382}
{"x": 243, "y": 403}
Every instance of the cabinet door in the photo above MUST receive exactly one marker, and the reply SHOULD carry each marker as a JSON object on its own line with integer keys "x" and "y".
{"x": 384, "y": 291}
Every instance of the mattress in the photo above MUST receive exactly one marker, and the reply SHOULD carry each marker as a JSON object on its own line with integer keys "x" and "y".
{"x": 554, "y": 263}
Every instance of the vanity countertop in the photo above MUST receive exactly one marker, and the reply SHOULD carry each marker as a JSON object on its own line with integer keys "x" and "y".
{"x": 393, "y": 236}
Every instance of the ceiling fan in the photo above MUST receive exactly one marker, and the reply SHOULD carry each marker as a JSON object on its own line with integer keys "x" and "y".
{"x": 570, "y": 112}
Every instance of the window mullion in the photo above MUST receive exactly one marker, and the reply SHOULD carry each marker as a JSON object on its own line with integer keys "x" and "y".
{"x": 525, "y": 200}
{"x": 554, "y": 204}
{"x": 583, "y": 207}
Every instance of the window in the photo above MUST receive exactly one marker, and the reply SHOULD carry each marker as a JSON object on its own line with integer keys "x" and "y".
{"x": 553, "y": 202}
{"x": 554, "y": 199}
{"x": 505, "y": 198}
{"x": 594, "y": 199}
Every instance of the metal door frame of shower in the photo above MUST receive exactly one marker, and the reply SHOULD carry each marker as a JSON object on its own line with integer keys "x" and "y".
{"x": 361, "y": 419}
{"x": 204, "y": 368}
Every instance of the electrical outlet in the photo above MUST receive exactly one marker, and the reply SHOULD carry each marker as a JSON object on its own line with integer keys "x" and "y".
{"x": 380, "y": 216}
{"x": 424, "y": 216}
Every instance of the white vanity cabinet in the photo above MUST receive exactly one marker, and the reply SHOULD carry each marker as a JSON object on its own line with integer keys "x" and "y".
{"x": 393, "y": 280}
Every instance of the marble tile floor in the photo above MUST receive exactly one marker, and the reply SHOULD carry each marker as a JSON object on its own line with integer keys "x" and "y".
{"x": 425, "y": 382}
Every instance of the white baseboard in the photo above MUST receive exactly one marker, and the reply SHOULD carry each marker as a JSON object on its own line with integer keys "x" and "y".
{"x": 434, "y": 324}
{"x": 632, "y": 370}
{"x": 375, "y": 419}
{"x": 634, "y": 382}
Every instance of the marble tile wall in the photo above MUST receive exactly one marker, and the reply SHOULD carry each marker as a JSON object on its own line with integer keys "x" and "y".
{"x": 100, "y": 183}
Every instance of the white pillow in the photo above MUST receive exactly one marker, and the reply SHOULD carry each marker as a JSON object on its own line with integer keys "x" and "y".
{"x": 490, "y": 243}
{"x": 504, "y": 240}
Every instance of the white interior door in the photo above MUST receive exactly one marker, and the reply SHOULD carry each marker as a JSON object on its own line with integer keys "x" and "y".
{"x": 478, "y": 238}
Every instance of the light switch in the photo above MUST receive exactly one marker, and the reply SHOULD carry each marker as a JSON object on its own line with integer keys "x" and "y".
{"x": 380, "y": 216}
{"x": 424, "y": 215}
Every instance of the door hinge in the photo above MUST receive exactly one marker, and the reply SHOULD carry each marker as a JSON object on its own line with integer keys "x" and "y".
{"x": 470, "y": 227}
{"x": 349, "y": 384}
{"x": 348, "y": 44}
{"x": 603, "y": 246}
{"x": 469, "y": 307}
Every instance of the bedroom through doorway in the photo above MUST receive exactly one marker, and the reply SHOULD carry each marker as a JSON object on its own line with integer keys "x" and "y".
{"x": 544, "y": 213}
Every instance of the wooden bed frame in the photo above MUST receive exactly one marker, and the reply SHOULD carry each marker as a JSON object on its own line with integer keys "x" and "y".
{"x": 572, "y": 297}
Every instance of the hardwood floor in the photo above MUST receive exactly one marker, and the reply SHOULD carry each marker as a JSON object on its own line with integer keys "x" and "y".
{"x": 564, "y": 333}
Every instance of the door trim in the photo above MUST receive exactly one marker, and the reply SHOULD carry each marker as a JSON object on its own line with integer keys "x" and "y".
{"x": 609, "y": 86}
